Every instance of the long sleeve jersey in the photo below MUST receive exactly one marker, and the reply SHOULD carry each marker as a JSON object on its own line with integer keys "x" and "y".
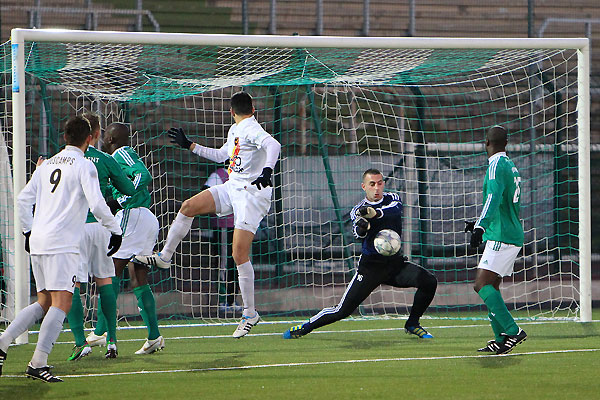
{"x": 502, "y": 202}
{"x": 137, "y": 172}
{"x": 62, "y": 189}
{"x": 391, "y": 218}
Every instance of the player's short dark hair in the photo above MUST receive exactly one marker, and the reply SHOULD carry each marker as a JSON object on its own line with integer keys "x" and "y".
{"x": 77, "y": 130}
{"x": 93, "y": 118}
{"x": 371, "y": 171}
{"x": 241, "y": 103}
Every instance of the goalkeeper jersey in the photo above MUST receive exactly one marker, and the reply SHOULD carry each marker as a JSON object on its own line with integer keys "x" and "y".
{"x": 137, "y": 172}
{"x": 502, "y": 202}
{"x": 109, "y": 174}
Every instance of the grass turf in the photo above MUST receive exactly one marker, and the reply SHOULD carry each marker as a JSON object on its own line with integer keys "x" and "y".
{"x": 371, "y": 359}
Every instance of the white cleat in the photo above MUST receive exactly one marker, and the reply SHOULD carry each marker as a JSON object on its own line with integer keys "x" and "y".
{"x": 152, "y": 346}
{"x": 154, "y": 261}
{"x": 95, "y": 340}
{"x": 246, "y": 323}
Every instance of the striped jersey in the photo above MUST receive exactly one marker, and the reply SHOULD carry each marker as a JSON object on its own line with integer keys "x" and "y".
{"x": 138, "y": 174}
{"x": 391, "y": 218}
{"x": 109, "y": 174}
{"x": 502, "y": 202}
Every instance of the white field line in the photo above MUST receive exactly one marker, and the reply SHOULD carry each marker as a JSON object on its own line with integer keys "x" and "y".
{"x": 304, "y": 364}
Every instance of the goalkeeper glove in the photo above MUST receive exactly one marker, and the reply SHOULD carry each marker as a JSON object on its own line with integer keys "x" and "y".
{"x": 369, "y": 212}
{"x": 114, "y": 244}
{"x": 113, "y": 204}
{"x": 177, "y": 136}
{"x": 27, "y": 234}
{"x": 476, "y": 237}
{"x": 264, "y": 179}
{"x": 362, "y": 226}
{"x": 469, "y": 226}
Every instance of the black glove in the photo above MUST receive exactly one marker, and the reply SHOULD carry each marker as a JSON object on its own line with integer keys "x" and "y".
{"x": 469, "y": 226}
{"x": 264, "y": 179}
{"x": 362, "y": 226}
{"x": 177, "y": 136}
{"x": 27, "y": 234}
{"x": 114, "y": 244}
{"x": 476, "y": 237}
{"x": 369, "y": 212}
{"x": 113, "y": 205}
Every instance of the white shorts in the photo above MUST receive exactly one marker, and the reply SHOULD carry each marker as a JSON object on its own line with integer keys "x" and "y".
{"x": 140, "y": 232}
{"x": 499, "y": 257}
{"x": 93, "y": 249}
{"x": 55, "y": 271}
{"x": 248, "y": 204}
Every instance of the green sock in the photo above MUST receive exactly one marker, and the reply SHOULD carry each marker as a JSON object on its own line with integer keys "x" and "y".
{"x": 75, "y": 318}
{"x": 109, "y": 310}
{"x": 497, "y": 308}
{"x": 147, "y": 304}
{"x": 496, "y": 327}
{"x": 101, "y": 325}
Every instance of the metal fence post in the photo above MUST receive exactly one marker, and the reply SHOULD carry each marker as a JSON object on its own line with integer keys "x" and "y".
{"x": 139, "y": 26}
{"x": 273, "y": 17}
{"x": 245, "y": 17}
{"x": 411, "y": 19}
{"x": 319, "y": 28}
{"x": 366, "y": 17}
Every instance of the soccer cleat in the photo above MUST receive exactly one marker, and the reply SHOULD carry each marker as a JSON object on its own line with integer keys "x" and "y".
{"x": 2, "y": 358}
{"x": 246, "y": 323}
{"x": 491, "y": 347}
{"x": 511, "y": 341}
{"x": 419, "y": 331}
{"x": 43, "y": 374}
{"x": 94, "y": 340}
{"x": 295, "y": 332}
{"x": 111, "y": 350}
{"x": 79, "y": 352}
{"x": 151, "y": 346}
{"x": 154, "y": 261}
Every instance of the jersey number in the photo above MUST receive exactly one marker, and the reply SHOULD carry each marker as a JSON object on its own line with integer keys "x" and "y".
{"x": 55, "y": 178}
{"x": 517, "y": 189}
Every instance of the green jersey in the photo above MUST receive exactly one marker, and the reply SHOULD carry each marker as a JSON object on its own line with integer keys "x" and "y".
{"x": 502, "y": 202}
{"x": 137, "y": 172}
{"x": 110, "y": 175}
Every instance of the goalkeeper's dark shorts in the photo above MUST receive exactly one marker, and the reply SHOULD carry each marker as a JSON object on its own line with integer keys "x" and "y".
{"x": 372, "y": 272}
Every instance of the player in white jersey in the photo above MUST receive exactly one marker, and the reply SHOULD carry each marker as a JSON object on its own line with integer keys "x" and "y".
{"x": 62, "y": 189}
{"x": 252, "y": 155}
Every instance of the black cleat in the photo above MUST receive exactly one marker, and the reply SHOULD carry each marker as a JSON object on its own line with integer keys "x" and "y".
{"x": 111, "y": 350}
{"x": 2, "y": 358}
{"x": 511, "y": 341}
{"x": 491, "y": 347}
{"x": 43, "y": 374}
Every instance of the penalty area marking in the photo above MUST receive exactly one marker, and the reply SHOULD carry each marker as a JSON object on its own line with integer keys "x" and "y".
{"x": 304, "y": 364}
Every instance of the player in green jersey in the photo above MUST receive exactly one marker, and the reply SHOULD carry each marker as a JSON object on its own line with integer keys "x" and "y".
{"x": 500, "y": 226}
{"x": 140, "y": 231}
{"x": 94, "y": 260}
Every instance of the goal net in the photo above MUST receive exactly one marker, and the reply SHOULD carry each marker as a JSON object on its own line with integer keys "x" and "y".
{"x": 419, "y": 114}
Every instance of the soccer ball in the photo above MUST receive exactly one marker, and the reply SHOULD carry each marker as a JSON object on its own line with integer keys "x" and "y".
{"x": 387, "y": 242}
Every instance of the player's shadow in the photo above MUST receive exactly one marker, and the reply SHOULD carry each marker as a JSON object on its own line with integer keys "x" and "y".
{"x": 363, "y": 344}
{"x": 23, "y": 389}
{"x": 498, "y": 362}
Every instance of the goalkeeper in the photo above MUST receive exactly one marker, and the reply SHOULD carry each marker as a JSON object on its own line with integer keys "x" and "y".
{"x": 252, "y": 154}
{"x": 377, "y": 211}
{"x": 500, "y": 226}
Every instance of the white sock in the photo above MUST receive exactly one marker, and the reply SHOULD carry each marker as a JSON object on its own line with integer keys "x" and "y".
{"x": 49, "y": 331}
{"x": 179, "y": 228}
{"x": 21, "y": 324}
{"x": 246, "y": 279}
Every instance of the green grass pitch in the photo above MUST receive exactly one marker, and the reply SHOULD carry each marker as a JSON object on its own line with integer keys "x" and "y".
{"x": 372, "y": 359}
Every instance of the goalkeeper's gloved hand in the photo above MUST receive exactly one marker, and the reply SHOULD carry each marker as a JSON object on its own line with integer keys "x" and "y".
{"x": 114, "y": 244}
{"x": 476, "y": 237}
{"x": 113, "y": 204}
{"x": 177, "y": 136}
{"x": 369, "y": 212}
{"x": 264, "y": 179}
{"x": 27, "y": 234}
{"x": 469, "y": 226}
{"x": 362, "y": 226}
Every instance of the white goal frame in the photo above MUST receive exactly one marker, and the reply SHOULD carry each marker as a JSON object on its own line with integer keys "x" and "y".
{"x": 581, "y": 45}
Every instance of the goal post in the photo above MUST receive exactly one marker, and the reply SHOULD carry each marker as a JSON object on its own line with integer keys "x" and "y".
{"x": 415, "y": 107}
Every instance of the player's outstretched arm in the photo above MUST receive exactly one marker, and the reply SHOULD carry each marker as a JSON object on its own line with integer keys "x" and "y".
{"x": 26, "y": 200}
{"x": 178, "y": 137}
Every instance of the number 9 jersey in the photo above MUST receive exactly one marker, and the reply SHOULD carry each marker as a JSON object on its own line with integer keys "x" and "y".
{"x": 502, "y": 202}
{"x": 62, "y": 189}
